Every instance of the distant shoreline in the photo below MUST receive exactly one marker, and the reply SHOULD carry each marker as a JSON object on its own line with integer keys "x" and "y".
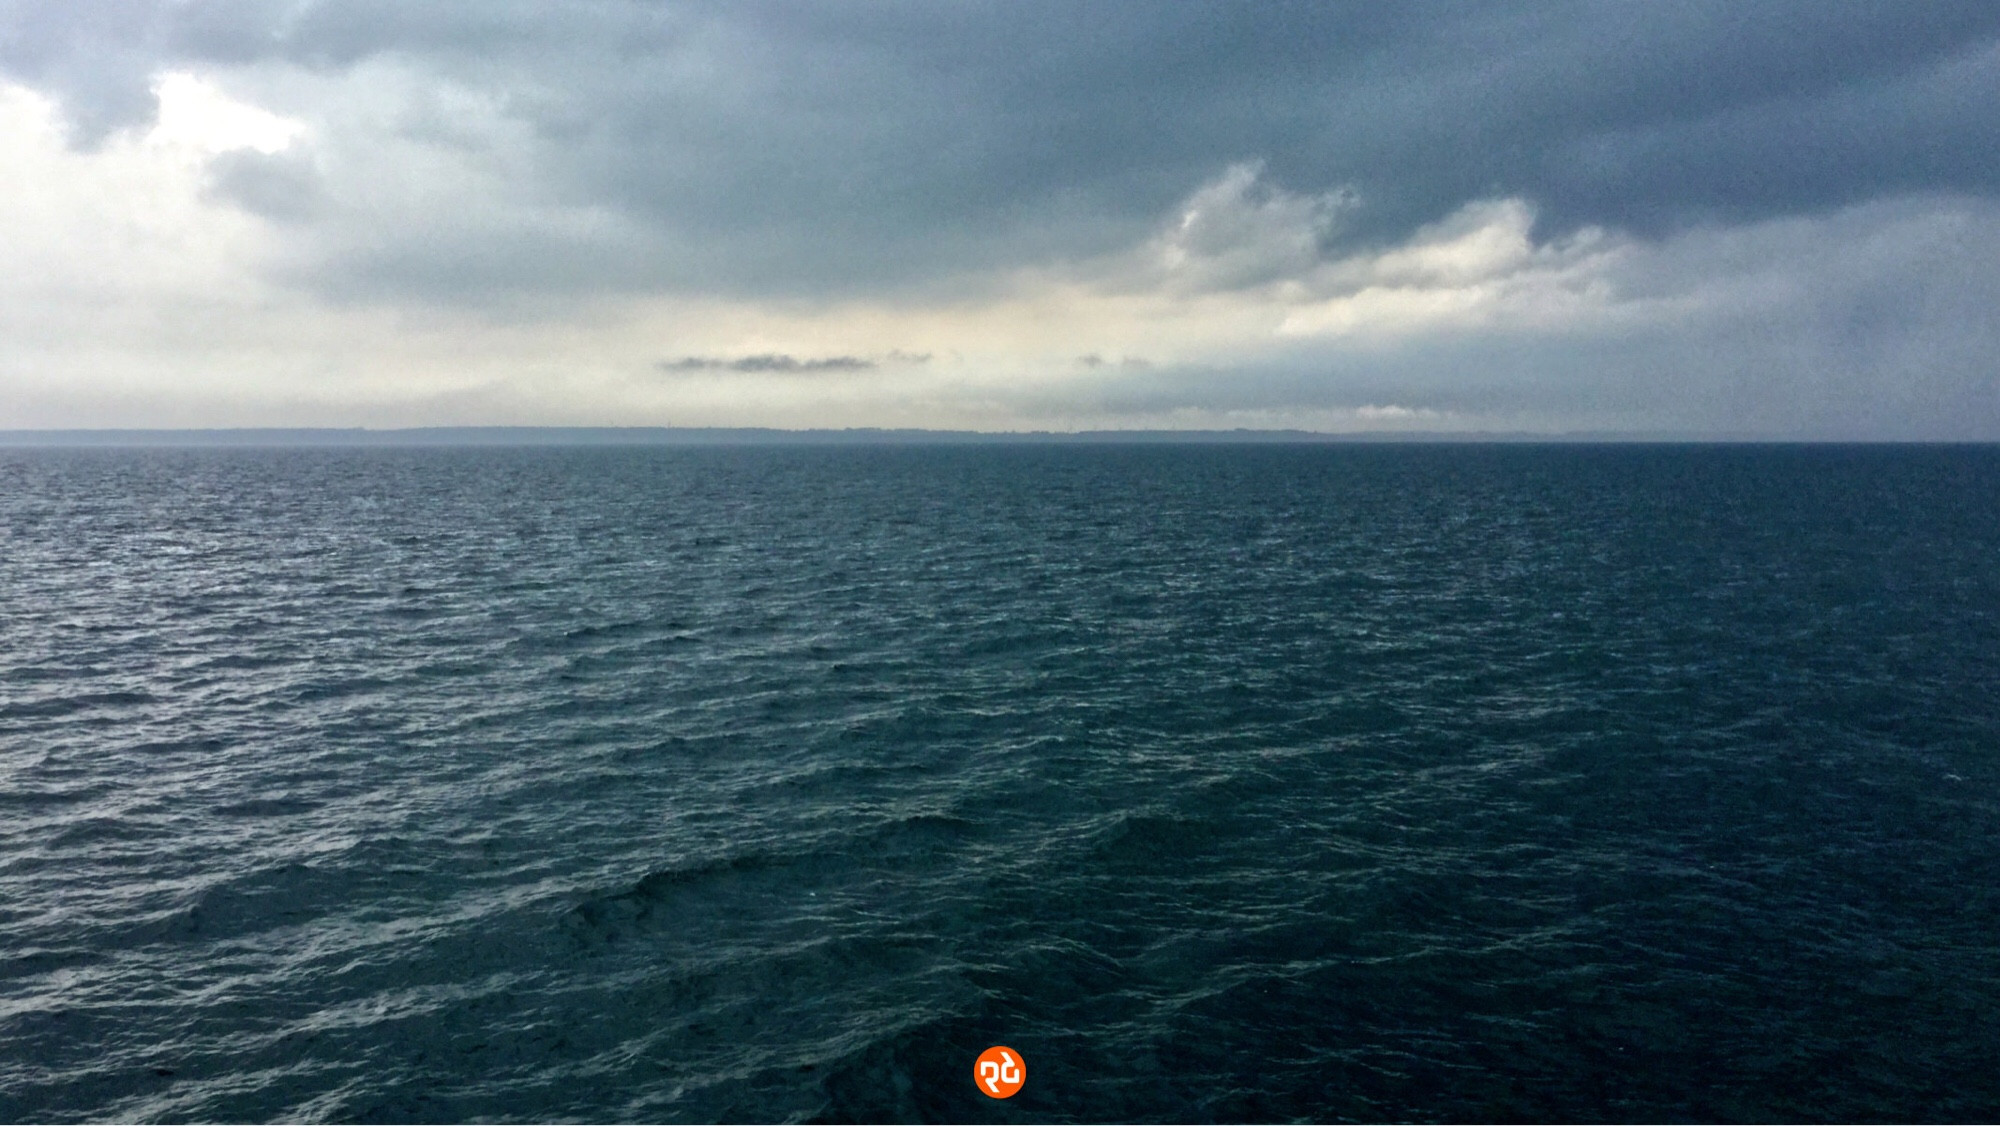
{"x": 765, "y": 436}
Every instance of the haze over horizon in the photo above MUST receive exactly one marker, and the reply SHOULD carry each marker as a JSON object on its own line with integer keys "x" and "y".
{"x": 1700, "y": 218}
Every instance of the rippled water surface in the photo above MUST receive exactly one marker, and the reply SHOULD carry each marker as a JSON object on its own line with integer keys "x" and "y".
{"x": 1221, "y": 782}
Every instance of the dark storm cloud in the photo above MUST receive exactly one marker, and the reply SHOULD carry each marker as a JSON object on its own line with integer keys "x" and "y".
{"x": 825, "y": 148}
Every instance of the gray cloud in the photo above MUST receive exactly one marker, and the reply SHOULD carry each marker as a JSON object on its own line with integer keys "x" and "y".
{"x": 770, "y": 362}
{"x": 278, "y": 186}
{"x": 804, "y": 149}
{"x": 1095, "y": 362}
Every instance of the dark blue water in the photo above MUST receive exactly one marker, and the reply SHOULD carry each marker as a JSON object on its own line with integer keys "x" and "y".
{"x": 1221, "y": 782}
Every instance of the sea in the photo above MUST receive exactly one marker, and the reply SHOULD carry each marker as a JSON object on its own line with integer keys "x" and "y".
{"x": 1221, "y": 782}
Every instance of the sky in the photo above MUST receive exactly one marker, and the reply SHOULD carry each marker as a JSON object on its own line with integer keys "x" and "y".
{"x": 1773, "y": 219}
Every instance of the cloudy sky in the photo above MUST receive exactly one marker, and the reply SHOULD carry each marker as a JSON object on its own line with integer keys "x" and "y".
{"x": 1733, "y": 218}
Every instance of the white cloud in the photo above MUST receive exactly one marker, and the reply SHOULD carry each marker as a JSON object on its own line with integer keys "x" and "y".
{"x": 1394, "y": 413}
{"x": 195, "y": 113}
{"x": 1251, "y": 264}
{"x": 1238, "y": 231}
{"x": 1479, "y": 268}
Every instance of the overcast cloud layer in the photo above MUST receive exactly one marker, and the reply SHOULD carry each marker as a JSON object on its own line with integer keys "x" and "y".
{"x": 1781, "y": 218}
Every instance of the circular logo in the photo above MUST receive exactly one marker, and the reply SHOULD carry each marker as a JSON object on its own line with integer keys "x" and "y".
{"x": 999, "y": 1072}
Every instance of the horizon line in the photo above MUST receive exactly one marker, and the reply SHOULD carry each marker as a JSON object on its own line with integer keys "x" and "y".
{"x": 504, "y": 435}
